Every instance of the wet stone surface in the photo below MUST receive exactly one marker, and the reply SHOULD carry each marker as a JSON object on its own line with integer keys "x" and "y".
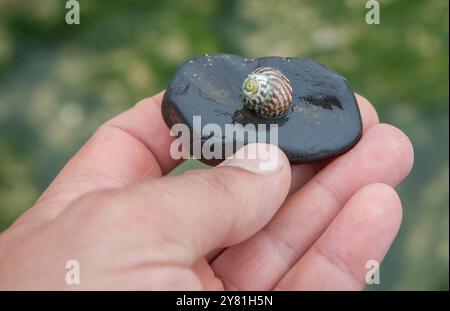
{"x": 323, "y": 120}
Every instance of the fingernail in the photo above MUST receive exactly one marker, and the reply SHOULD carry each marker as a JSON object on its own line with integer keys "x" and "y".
{"x": 257, "y": 158}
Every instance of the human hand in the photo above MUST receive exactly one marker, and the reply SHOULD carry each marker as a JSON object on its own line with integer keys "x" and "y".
{"x": 305, "y": 227}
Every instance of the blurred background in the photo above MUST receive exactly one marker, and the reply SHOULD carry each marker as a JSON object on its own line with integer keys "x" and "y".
{"x": 59, "y": 82}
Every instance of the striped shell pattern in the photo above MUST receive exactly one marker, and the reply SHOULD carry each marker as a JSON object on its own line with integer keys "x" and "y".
{"x": 267, "y": 91}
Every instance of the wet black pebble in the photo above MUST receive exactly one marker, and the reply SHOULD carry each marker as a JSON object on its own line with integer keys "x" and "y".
{"x": 323, "y": 120}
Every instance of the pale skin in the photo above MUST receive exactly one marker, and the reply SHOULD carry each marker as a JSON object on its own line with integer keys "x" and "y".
{"x": 303, "y": 227}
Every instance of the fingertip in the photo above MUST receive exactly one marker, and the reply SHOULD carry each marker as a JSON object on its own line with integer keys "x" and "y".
{"x": 405, "y": 147}
{"x": 386, "y": 154}
{"x": 370, "y": 220}
{"x": 381, "y": 203}
{"x": 397, "y": 145}
{"x": 153, "y": 100}
{"x": 368, "y": 112}
{"x": 283, "y": 160}
{"x": 259, "y": 158}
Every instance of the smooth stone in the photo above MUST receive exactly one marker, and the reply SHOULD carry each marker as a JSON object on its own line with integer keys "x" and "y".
{"x": 323, "y": 121}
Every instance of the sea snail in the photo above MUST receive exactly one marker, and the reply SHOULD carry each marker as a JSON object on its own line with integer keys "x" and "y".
{"x": 267, "y": 91}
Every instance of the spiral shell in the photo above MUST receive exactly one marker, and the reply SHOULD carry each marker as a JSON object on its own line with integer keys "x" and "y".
{"x": 267, "y": 91}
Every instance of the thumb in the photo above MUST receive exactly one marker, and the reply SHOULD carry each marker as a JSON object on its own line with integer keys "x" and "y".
{"x": 205, "y": 209}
